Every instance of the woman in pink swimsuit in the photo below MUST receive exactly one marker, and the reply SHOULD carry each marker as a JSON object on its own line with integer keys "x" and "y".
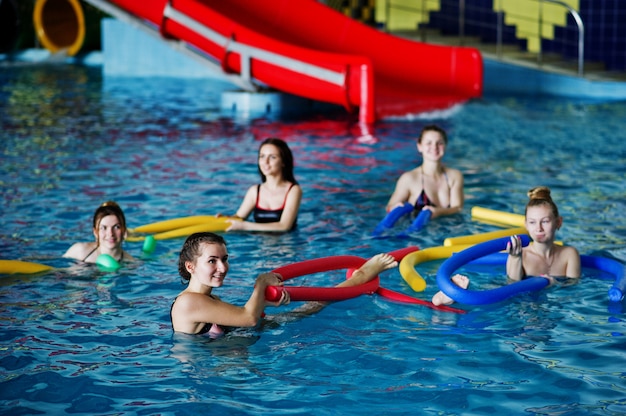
{"x": 203, "y": 265}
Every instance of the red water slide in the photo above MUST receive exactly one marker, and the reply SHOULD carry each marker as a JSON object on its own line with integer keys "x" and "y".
{"x": 305, "y": 48}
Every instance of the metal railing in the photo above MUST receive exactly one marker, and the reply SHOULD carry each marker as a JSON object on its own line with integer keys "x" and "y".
{"x": 462, "y": 21}
{"x": 581, "y": 31}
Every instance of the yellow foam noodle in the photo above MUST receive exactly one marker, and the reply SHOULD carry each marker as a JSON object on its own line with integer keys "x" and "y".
{"x": 216, "y": 225}
{"x": 22, "y": 267}
{"x": 492, "y": 215}
{"x": 173, "y": 224}
{"x": 479, "y": 238}
{"x": 408, "y": 263}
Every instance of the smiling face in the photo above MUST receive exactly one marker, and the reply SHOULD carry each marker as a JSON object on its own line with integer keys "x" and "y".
{"x": 211, "y": 267}
{"x": 432, "y": 145}
{"x": 541, "y": 223}
{"x": 270, "y": 161}
{"x": 109, "y": 232}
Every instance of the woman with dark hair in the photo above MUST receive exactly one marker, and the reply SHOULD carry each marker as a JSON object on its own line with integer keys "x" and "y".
{"x": 109, "y": 230}
{"x": 203, "y": 266}
{"x": 275, "y": 202}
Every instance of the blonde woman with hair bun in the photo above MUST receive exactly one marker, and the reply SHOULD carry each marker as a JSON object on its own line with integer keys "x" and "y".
{"x": 542, "y": 257}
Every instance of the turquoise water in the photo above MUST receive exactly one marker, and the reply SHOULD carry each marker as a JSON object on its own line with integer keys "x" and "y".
{"x": 81, "y": 341}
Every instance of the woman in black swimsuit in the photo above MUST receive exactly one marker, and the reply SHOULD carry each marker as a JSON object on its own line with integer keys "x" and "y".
{"x": 203, "y": 264}
{"x": 431, "y": 185}
{"x": 109, "y": 230}
{"x": 275, "y": 202}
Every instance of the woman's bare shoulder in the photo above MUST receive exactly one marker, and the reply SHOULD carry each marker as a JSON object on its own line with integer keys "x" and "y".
{"x": 80, "y": 250}
{"x": 411, "y": 175}
{"x": 296, "y": 189}
{"x": 568, "y": 252}
{"x": 453, "y": 173}
{"x": 187, "y": 301}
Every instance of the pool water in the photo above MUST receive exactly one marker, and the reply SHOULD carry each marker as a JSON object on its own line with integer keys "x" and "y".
{"x": 81, "y": 341}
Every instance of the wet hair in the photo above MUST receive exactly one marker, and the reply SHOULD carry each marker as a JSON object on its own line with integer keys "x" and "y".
{"x": 540, "y": 195}
{"x": 433, "y": 127}
{"x": 106, "y": 209}
{"x": 192, "y": 250}
{"x": 285, "y": 155}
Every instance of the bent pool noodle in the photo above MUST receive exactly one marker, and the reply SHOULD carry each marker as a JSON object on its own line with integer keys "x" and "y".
{"x": 322, "y": 294}
{"x": 476, "y": 297}
{"x": 301, "y": 293}
{"x": 617, "y": 290}
{"x": 391, "y": 218}
{"x": 420, "y": 222}
{"x": 605, "y": 264}
{"x": 403, "y": 252}
{"x": 402, "y": 298}
{"x": 398, "y": 255}
{"x": 324, "y": 264}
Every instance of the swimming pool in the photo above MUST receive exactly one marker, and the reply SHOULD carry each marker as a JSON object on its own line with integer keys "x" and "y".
{"x": 81, "y": 341}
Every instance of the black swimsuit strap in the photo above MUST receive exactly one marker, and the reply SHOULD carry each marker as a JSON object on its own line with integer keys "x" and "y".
{"x": 258, "y": 194}
{"x": 92, "y": 251}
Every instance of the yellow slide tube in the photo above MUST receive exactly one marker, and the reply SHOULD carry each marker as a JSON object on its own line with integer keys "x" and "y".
{"x": 60, "y": 25}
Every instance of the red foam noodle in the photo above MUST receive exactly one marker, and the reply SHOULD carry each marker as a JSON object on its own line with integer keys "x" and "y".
{"x": 320, "y": 265}
{"x": 401, "y": 297}
{"x": 324, "y": 264}
{"x": 322, "y": 294}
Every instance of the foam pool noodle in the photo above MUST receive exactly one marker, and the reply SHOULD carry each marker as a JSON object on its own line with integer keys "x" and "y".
{"x": 107, "y": 263}
{"x": 391, "y": 218}
{"x": 420, "y": 222}
{"x": 149, "y": 244}
{"x": 616, "y": 292}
